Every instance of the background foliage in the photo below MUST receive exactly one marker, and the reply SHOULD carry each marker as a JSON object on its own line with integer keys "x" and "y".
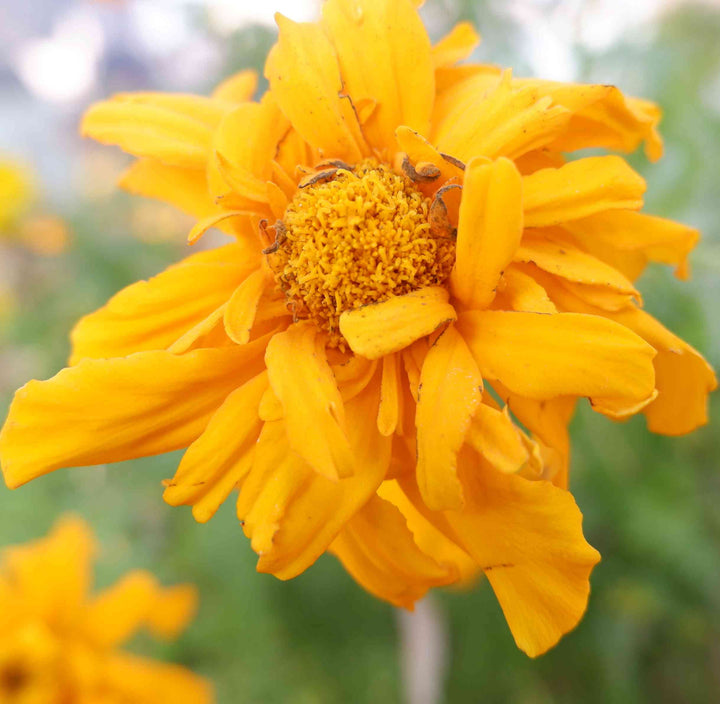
{"x": 651, "y": 504}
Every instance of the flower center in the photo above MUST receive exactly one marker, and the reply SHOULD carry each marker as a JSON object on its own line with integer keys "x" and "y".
{"x": 353, "y": 236}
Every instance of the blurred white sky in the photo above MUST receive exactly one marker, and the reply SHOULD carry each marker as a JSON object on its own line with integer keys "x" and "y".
{"x": 553, "y": 28}
{"x": 56, "y": 56}
{"x": 61, "y": 65}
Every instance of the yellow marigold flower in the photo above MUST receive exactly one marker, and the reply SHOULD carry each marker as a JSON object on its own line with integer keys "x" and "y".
{"x": 59, "y": 643}
{"x": 385, "y": 361}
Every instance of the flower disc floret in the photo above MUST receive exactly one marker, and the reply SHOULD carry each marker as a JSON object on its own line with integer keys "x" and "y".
{"x": 358, "y": 238}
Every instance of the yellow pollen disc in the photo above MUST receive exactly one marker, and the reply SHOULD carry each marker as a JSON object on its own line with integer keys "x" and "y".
{"x": 350, "y": 238}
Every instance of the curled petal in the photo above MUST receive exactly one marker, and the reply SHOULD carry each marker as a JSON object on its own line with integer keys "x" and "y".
{"x": 154, "y": 314}
{"x": 493, "y": 435}
{"x": 651, "y": 238}
{"x": 545, "y": 356}
{"x": 292, "y": 513}
{"x": 428, "y": 537}
{"x": 217, "y": 461}
{"x": 391, "y": 397}
{"x": 377, "y": 548}
{"x": 527, "y": 538}
{"x": 186, "y": 189}
{"x": 117, "y": 409}
{"x": 524, "y": 294}
{"x": 244, "y": 146}
{"x": 313, "y": 409}
{"x": 239, "y": 315}
{"x": 378, "y": 329}
{"x": 489, "y": 231}
{"x": 579, "y": 189}
{"x": 449, "y": 395}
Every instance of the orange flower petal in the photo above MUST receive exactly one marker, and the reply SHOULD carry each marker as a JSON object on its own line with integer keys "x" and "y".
{"x": 238, "y": 88}
{"x": 455, "y": 46}
{"x": 369, "y": 34}
{"x": 545, "y": 356}
{"x": 244, "y": 146}
{"x": 489, "y": 231}
{"x": 118, "y": 409}
{"x": 208, "y": 111}
{"x": 115, "y": 614}
{"x": 602, "y": 117}
{"x": 524, "y": 294}
{"x": 53, "y": 574}
{"x": 153, "y": 314}
{"x": 427, "y": 536}
{"x": 207, "y": 223}
{"x": 305, "y": 79}
{"x": 505, "y": 122}
{"x": 579, "y": 189}
{"x": 527, "y": 537}
{"x": 214, "y": 464}
{"x": 615, "y": 122}
{"x": 203, "y": 334}
{"x": 147, "y": 130}
{"x": 548, "y": 421}
{"x": 493, "y": 435}
{"x": 390, "y": 409}
{"x": 291, "y": 512}
{"x": 377, "y": 548}
{"x": 186, "y": 189}
{"x": 174, "y": 608}
{"x": 130, "y": 678}
{"x": 562, "y": 259}
{"x": 381, "y": 328}
{"x": 655, "y": 239}
{"x": 353, "y": 375}
{"x": 449, "y": 394}
{"x": 682, "y": 376}
{"x": 242, "y": 307}
{"x": 458, "y": 88}
{"x": 302, "y": 379}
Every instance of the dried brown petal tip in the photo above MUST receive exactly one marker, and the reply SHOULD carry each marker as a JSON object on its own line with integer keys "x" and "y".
{"x": 440, "y": 225}
{"x": 452, "y": 160}
{"x": 320, "y": 177}
{"x": 334, "y": 163}
{"x": 280, "y": 236}
{"x": 422, "y": 172}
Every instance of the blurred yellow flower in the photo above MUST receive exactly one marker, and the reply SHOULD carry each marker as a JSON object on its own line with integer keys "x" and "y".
{"x": 46, "y": 235}
{"x": 16, "y": 194}
{"x": 60, "y": 644}
{"x": 42, "y": 234}
{"x": 385, "y": 361}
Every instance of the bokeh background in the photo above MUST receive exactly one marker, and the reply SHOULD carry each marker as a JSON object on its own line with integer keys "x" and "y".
{"x": 651, "y": 504}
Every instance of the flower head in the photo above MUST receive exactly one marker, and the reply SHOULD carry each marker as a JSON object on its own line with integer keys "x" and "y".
{"x": 60, "y": 644}
{"x": 385, "y": 360}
